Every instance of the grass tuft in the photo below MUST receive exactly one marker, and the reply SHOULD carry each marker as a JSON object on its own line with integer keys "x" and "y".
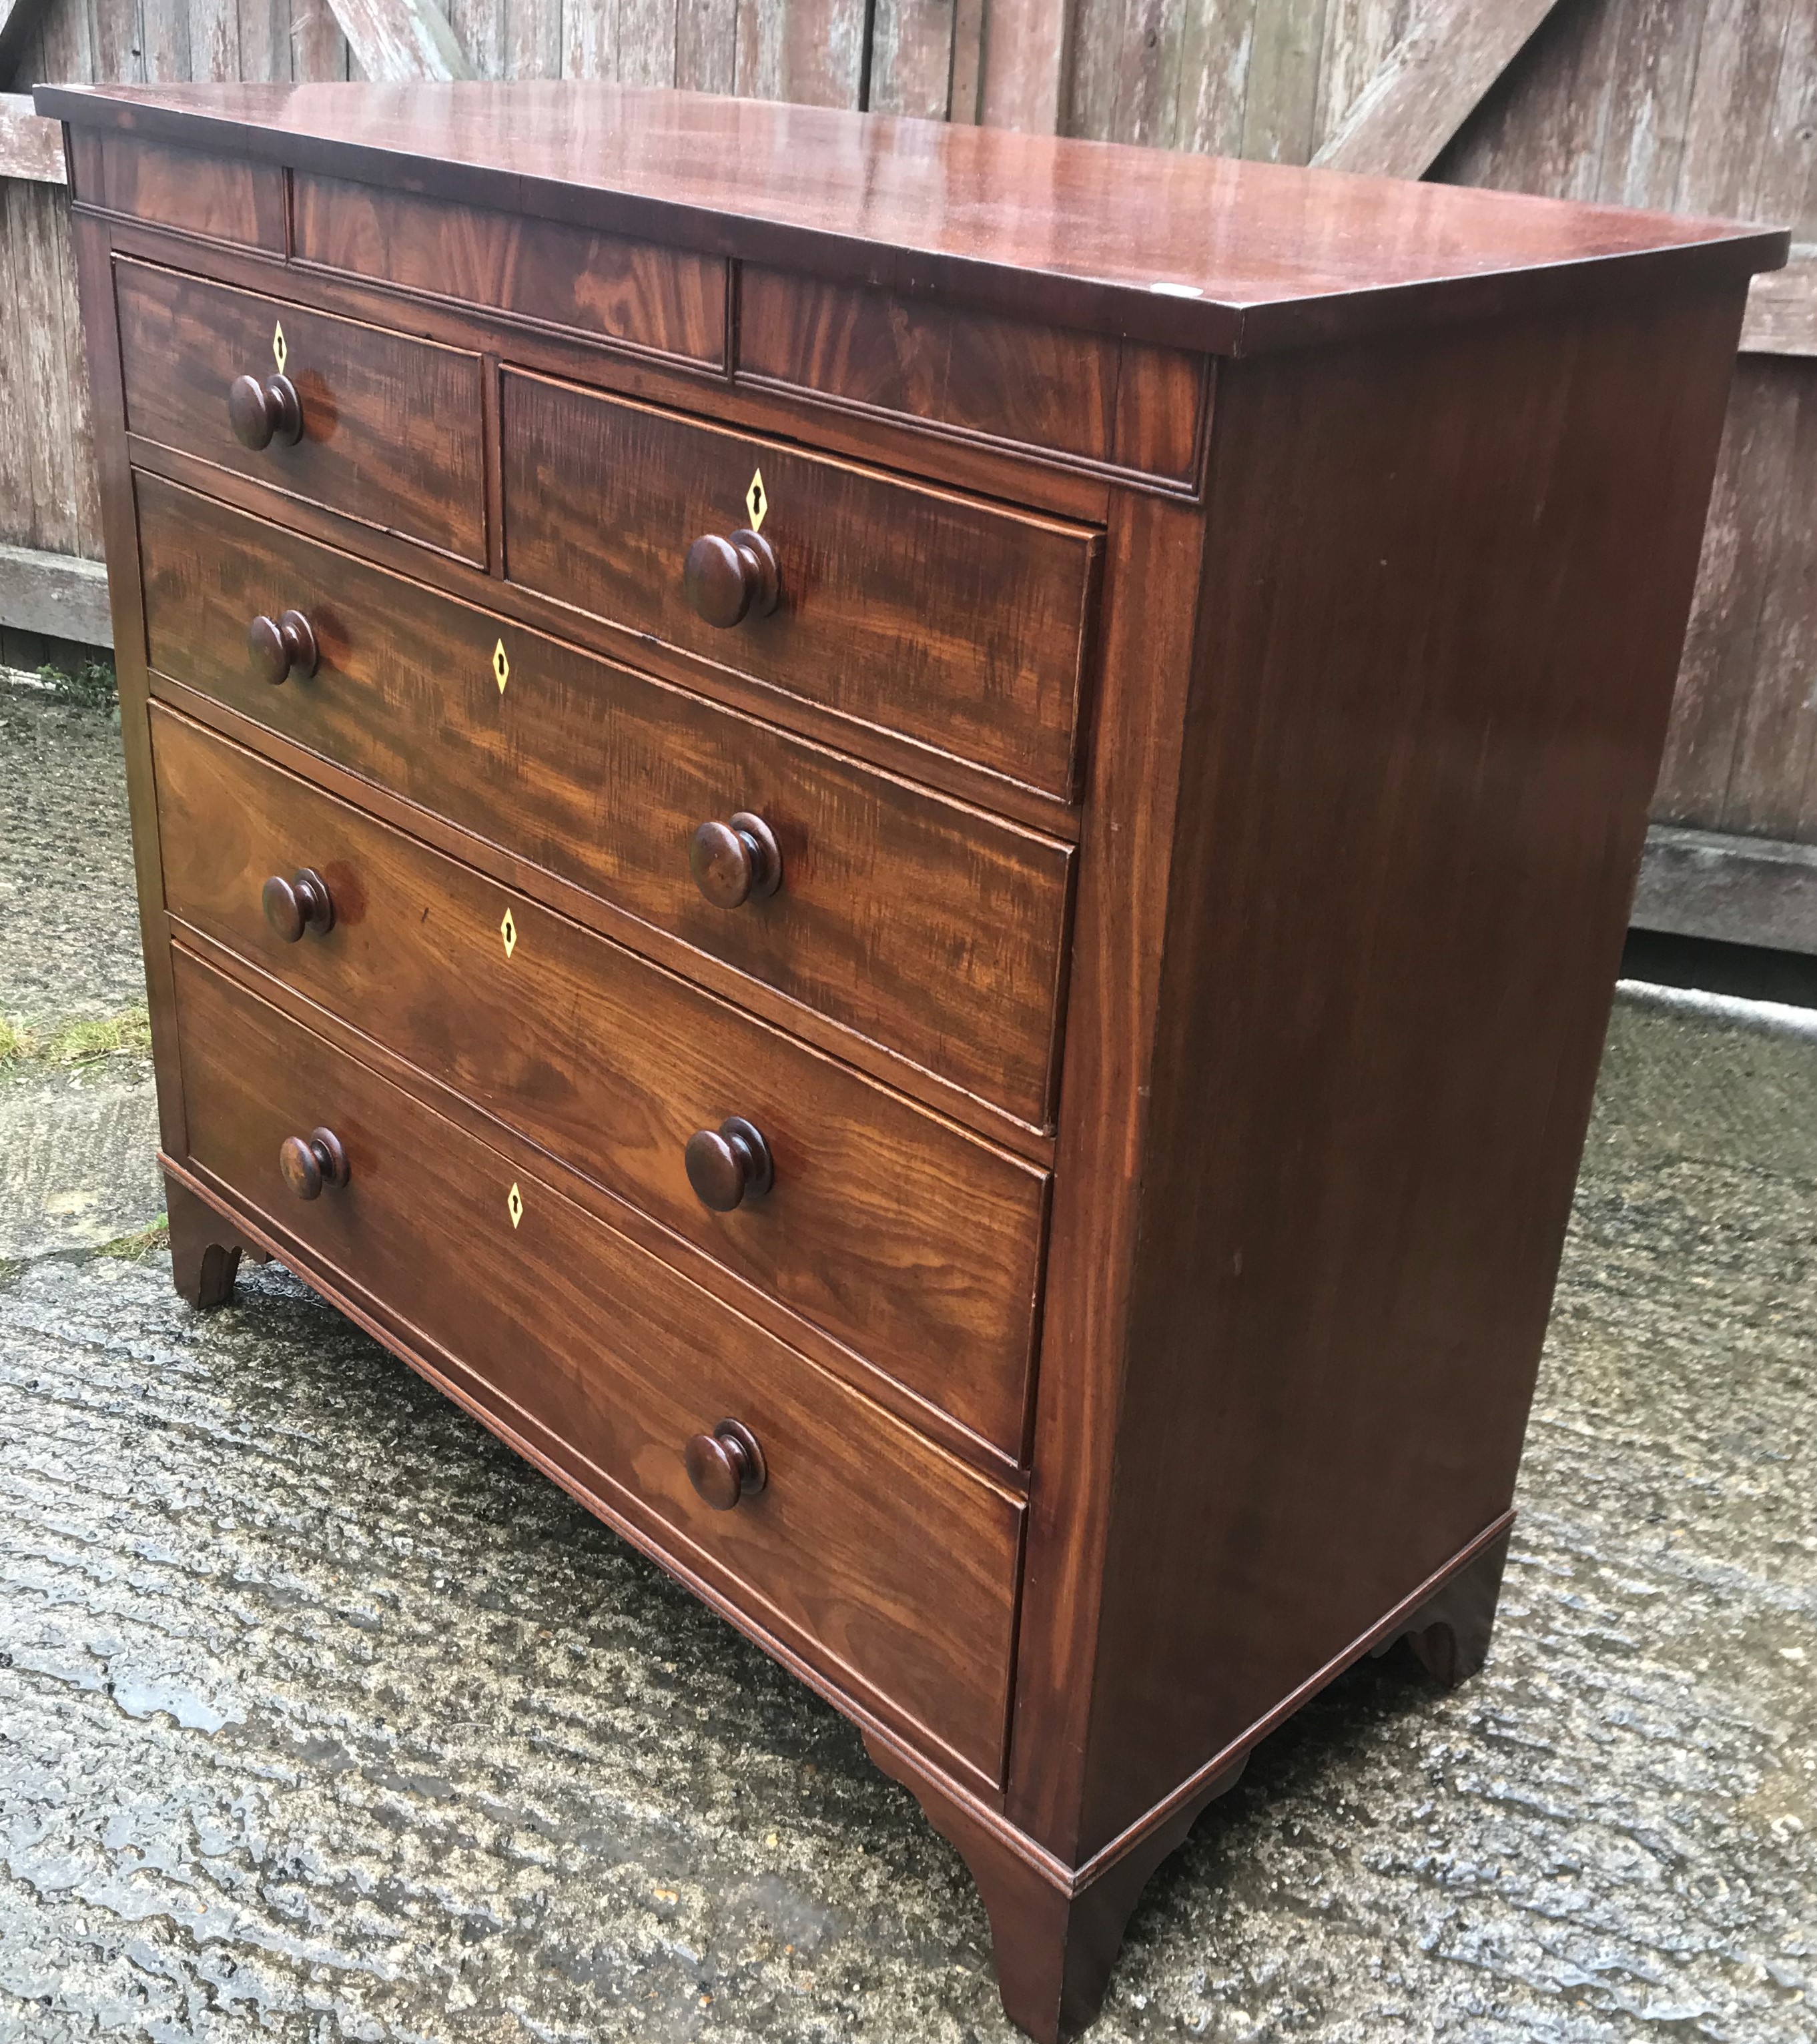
{"x": 129, "y": 1248}
{"x": 81, "y": 1043}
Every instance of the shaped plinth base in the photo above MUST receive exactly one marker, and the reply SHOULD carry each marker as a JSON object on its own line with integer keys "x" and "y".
{"x": 1450, "y": 1634}
{"x": 1055, "y": 1937}
{"x": 1056, "y": 1931}
{"x": 205, "y": 1248}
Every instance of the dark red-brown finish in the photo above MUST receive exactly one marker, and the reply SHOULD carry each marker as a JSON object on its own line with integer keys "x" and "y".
{"x": 1292, "y": 716}
{"x": 1187, "y": 251}
{"x": 281, "y": 647}
{"x": 726, "y": 1465}
{"x": 904, "y": 916}
{"x": 390, "y": 426}
{"x": 598, "y": 285}
{"x": 262, "y": 410}
{"x": 728, "y": 580}
{"x": 1092, "y": 397}
{"x": 907, "y": 1240}
{"x": 873, "y": 1556}
{"x": 309, "y": 1163}
{"x": 730, "y": 1164}
{"x": 225, "y": 198}
{"x": 737, "y": 861}
{"x": 962, "y": 624}
{"x": 299, "y": 905}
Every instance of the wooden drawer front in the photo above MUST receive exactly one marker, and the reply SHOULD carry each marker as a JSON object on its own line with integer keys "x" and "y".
{"x": 601, "y": 285}
{"x": 908, "y": 917}
{"x": 916, "y": 1244}
{"x": 392, "y": 427}
{"x": 1109, "y": 403}
{"x": 225, "y": 198}
{"x": 880, "y": 1558}
{"x": 961, "y": 625}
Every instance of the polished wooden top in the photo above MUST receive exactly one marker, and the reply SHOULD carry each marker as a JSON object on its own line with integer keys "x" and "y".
{"x": 1200, "y": 251}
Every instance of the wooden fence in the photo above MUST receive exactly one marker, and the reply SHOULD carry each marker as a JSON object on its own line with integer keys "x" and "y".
{"x": 1697, "y": 106}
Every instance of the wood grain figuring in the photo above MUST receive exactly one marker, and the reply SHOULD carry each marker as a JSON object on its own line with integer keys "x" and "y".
{"x": 535, "y": 999}
{"x": 1248, "y": 256}
{"x": 225, "y": 198}
{"x": 1085, "y": 395}
{"x": 390, "y": 426}
{"x": 877, "y": 1557}
{"x": 915, "y": 1244}
{"x": 957, "y": 623}
{"x": 1477, "y": 741}
{"x": 1152, "y": 595}
{"x": 902, "y": 915}
{"x": 595, "y": 283}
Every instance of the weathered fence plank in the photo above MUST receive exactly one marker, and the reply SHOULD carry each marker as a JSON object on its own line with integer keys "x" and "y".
{"x": 1708, "y": 884}
{"x": 911, "y": 58}
{"x": 401, "y": 39}
{"x": 1744, "y": 540}
{"x": 1025, "y": 64}
{"x": 1432, "y": 80}
{"x": 30, "y": 147}
{"x": 1782, "y": 308}
{"x": 19, "y": 22}
{"x": 57, "y": 594}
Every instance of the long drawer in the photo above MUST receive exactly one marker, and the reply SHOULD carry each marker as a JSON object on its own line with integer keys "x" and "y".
{"x": 962, "y": 624}
{"x": 912, "y": 918}
{"x": 390, "y": 429}
{"x": 881, "y": 1560}
{"x": 914, "y": 1244}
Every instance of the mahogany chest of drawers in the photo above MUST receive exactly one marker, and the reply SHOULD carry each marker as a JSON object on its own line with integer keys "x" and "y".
{"x": 911, "y": 845}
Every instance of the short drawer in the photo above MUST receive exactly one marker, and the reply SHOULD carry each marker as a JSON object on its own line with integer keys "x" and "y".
{"x": 962, "y": 624}
{"x": 226, "y": 198}
{"x": 391, "y": 431}
{"x": 879, "y": 1559}
{"x": 917, "y": 1245}
{"x": 916, "y": 919}
{"x": 1084, "y": 397}
{"x": 606, "y": 286}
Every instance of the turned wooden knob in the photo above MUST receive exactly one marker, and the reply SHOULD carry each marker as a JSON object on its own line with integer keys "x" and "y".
{"x": 728, "y": 1165}
{"x": 282, "y": 646}
{"x": 736, "y": 862}
{"x": 726, "y": 1464}
{"x": 260, "y": 413}
{"x": 300, "y": 903}
{"x": 310, "y": 1162}
{"x": 727, "y": 580}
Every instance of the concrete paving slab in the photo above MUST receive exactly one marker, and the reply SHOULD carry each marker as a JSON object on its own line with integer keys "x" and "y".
{"x": 77, "y": 1157}
{"x": 69, "y": 945}
{"x": 321, "y": 1709}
